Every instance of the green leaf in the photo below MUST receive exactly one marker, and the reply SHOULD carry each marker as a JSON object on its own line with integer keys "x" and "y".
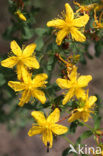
{"x": 96, "y": 116}
{"x": 82, "y": 59}
{"x": 41, "y": 31}
{"x": 2, "y": 80}
{"x": 73, "y": 127}
{"x": 84, "y": 135}
{"x": 98, "y": 48}
{"x": 97, "y": 121}
{"x": 65, "y": 152}
{"x": 39, "y": 42}
{"x": 27, "y": 33}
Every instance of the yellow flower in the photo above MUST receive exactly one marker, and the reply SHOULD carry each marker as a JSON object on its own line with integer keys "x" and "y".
{"x": 47, "y": 126}
{"x": 69, "y": 25}
{"x": 74, "y": 84}
{"x": 30, "y": 87}
{"x": 84, "y": 111}
{"x": 20, "y": 15}
{"x": 85, "y": 8}
{"x": 23, "y": 58}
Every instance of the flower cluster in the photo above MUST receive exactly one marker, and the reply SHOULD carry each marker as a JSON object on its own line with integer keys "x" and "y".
{"x": 29, "y": 87}
{"x": 70, "y": 26}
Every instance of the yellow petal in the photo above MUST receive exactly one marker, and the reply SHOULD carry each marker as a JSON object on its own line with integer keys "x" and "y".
{"x": 26, "y": 76}
{"x": 84, "y": 80}
{"x": 74, "y": 116}
{"x": 77, "y": 35}
{"x": 31, "y": 62}
{"x": 39, "y": 117}
{"x": 54, "y": 116}
{"x": 9, "y": 62}
{"x": 61, "y": 35}
{"x": 19, "y": 69}
{"x": 40, "y": 77}
{"x": 73, "y": 75}
{"x": 82, "y": 21}
{"x": 85, "y": 116}
{"x": 59, "y": 129}
{"x": 80, "y": 93}
{"x": 63, "y": 83}
{"x": 35, "y": 130}
{"x": 82, "y": 115}
{"x": 92, "y": 100}
{"x": 68, "y": 96}
{"x": 57, "y": 23}
{"x": 47, "y": 137}
{"x": 69, "y": 12}
{"x": 40, "y": 95}
{"x": 28, "y": 51}
{"x": 24, "y": 98}
{"x": 80, "y": 109}
{"x": 16, "y": 86}
{"x": 39, "y": 80}
{"x": 15, "y": 48}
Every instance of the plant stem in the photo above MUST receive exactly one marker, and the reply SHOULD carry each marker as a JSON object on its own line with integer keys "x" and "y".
{"x": 88, "y": 126}
{"x": 68, "y": 140}
{"x": 66, "y": 117}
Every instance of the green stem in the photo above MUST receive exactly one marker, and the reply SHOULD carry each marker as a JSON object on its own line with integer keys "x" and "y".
{"x": 68, "y": 140}
{"x": 88, "y": 126}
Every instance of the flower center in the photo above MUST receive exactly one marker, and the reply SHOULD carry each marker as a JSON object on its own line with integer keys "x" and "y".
{"x": 47, "y": 125}
{"x": 20, "y": 58}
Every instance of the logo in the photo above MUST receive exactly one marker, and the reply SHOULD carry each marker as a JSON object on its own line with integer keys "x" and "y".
{"x": 84, "y": 149}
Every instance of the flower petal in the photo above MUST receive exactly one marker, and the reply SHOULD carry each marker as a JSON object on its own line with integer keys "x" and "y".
{"x": 29, "y": 50}
{"x": 77, "y": 35}
{"x": 58, "y": 23}
{"x": 35, "y": 130}
{"x": 39, "y": 80}
{"x": 25, "y": 98}
{"x": 69, "y": 12}
{"x": 63, "y": 83}
{"x": 73, "y": 75}
{"x": 54, "y": 116}
{"x": 26, "y": 76}
{"x": 40, "y": 95}
{"x": 19, "y": 69}
{"x": 47, "y": 137}
{"x": 61, "y": 35}
{"x": 16, "y": 86}
{"x": 9, "y": 62}
{"x": 59, "y": 129}
{"x": 31, "y": 62}
{"x": 15, "y": 48}
{"x": 39, "y": 117}
{"x": 75, "y": 116}
{"x": 80, "y": 93}
{"x": 82, "y": 21}
{"x": 85, "y": 116}
{"x": 92, "y": 100}
{"x": 68, "y": 96}
{"x": 84, "y": 80}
